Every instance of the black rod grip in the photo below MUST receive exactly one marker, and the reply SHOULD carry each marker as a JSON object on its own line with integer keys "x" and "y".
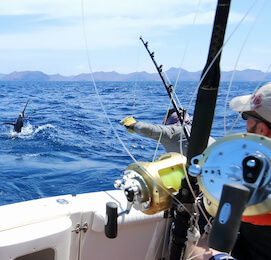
{"x": 228, "y": 217}
{"x": 111, "y": 225}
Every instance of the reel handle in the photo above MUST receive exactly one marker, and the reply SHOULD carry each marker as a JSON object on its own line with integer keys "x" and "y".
{"x": 111, "y": 225}
{"x": 228, "y": 217}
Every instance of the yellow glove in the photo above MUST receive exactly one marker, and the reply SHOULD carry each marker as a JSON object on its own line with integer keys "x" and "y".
{"x": 128, "y": 122}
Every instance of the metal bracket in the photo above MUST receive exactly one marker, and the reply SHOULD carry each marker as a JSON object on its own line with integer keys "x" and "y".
{"x": 79, "y": 228}
{"x": 187, "y": 207}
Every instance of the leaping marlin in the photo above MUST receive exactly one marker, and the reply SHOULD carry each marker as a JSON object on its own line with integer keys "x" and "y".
{"x": 19, "y": 123}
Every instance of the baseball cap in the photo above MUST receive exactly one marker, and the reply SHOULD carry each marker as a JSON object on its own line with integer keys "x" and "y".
{"x": 259, "y": 102}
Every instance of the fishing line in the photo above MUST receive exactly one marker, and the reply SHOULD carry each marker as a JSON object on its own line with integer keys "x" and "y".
{"x": 185, "y": 116}
{"x": 189, "y": 106}
{"x": 237, "y": 60}
{"x": 185, "y": 52}
{"x": 204, "y": 75}
{"x": 136, "y": 79}
{"x": 218, "y": 53}
{"x": 186, "y": 46}
{"x": 112, "y": 127}
{"x": 95, "y": 86}
{"x": 174, "y": 95}
{"x": 160, "y": 136}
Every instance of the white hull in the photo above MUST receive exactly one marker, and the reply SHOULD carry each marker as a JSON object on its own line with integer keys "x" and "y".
{"x": 43, "y": 230}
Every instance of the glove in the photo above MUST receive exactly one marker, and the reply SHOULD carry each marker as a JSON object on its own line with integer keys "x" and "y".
{"x": 128, "y": 122}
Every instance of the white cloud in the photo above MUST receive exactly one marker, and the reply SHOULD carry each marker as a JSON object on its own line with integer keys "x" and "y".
{"x": 117, "y": 21}
{"x": 33, "y": 7}
{"x": 112, "y": 27}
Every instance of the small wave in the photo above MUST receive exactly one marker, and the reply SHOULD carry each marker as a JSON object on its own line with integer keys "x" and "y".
{"x": 33, "y": 155}
{"x": 28, "y": 131}
{"x": 43, "y": 127}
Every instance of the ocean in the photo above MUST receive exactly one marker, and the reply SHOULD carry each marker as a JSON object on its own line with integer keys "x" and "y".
{"x": 68, "y": 146}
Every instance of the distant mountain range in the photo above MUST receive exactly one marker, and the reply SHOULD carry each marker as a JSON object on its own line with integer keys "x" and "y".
{"x": 244, "y": 75}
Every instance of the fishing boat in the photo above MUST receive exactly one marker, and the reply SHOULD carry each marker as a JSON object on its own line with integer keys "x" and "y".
{"x": 134, "y": 221}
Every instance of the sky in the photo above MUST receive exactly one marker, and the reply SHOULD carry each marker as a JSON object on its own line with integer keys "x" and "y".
{"x": 70, "y": 37}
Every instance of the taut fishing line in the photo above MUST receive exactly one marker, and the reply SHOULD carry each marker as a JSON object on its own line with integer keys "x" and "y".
{"x": 136, "y": 79}
{"x": 195, "y": 92}
{"x": 186, "y": 47}
{"x": 95, "y": 86}
{"x": 218, "y": 53}
{"x": 189, "y": 106}
{"x": 212, "y": 62}
{"x": 103, "y": 108}
{"x": 174, "y": 95}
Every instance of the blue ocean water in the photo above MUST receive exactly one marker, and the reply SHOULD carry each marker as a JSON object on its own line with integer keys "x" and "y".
{"x": 67, "y": 145}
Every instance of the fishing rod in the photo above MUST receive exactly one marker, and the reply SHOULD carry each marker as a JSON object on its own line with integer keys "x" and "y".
{"x": 201, "y": 127}
{"x": 208, "y": 89}
{"x": 144, "y": 188}
{"x": 169, "y": 89}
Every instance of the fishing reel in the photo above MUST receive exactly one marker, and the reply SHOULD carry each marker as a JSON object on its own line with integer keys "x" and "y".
{"x": 234, "y": 174}
{"x": 148, "y": 187}
{"x": 242, "y": 159}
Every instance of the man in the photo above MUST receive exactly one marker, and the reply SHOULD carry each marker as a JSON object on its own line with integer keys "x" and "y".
{"x": 256, "y": 109}
{"x": 255, "y": 231}
{"x": 254, "y": 238}
{"x": 171, "y": 134}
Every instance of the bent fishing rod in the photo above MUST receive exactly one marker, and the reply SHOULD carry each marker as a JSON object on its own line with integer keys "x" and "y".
{"x": 169, "y": 89}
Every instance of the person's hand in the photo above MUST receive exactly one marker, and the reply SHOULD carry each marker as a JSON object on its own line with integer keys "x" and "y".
{"x": 202, "y": 251}
{"x": 129, "y": 123}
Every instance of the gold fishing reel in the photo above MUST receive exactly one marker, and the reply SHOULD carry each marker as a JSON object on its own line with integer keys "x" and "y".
{"x": 149, "y": 186}
{"x": 241, "y": 159}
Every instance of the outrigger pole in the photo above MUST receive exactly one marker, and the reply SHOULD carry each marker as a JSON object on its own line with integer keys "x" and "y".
{"x": 169, "y": 89}
{"x": 201, "y": 126}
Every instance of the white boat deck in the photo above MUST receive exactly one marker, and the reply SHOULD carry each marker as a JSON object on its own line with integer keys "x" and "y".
{"x": 42, "y": 229}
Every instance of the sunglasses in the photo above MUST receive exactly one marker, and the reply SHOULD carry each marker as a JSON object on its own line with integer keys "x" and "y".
{"x": 246, "y": 116}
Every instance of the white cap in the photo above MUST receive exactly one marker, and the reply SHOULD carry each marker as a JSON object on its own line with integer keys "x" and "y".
{"x": 260, "y": 102}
